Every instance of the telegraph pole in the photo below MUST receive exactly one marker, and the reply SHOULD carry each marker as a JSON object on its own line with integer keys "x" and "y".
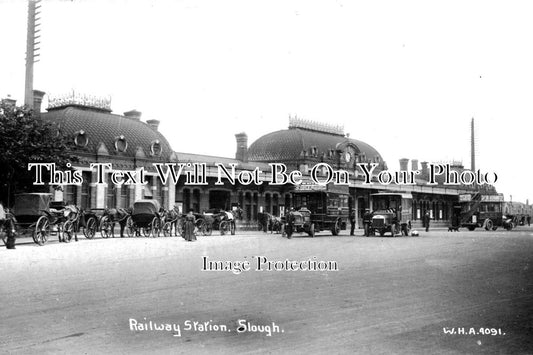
{"x": 32, "y": 40}
{"x": 472, "y": 147}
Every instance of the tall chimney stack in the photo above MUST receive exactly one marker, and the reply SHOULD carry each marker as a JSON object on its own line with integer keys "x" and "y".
{"x": 242, "y": 147}
{"x": 32, "y": 37}
{"x": 404, "y": 162}
{"x": 472, "y": 147}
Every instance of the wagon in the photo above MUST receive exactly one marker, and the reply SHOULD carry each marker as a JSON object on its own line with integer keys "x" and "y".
{"x": 145, "y": 219}
{"x": 223, "y": 221}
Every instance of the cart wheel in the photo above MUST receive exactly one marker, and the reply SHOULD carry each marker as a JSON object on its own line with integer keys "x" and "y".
{"x": 488, "y": 225}
{"x": 223, "y": 227}
{"x": 208, "y": 228}
{"x": 3, "y": 234}
{"x": 105, "y": 227}
{"x": 312, "y": 230}
{"x": 336, "y": 228}
{"x": 42, "y": 230}
{"x": 90, "y": 230}
{"x": 200, "y": 226}
{"x": 180, "y": 227}
{"x": 68, "y": 231}
{"x": 156, "y": 227}
{"x": 167, "y": 229}
{"x": 232, "y": 227}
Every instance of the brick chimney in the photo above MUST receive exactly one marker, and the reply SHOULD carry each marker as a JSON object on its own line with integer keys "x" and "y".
{"x": 133, "y": 114}
{"x": 425, "y": 173}
{"x": 242, "y": 147}
{"x": 37, "y": 101}
{"x": 403, "y": 164}
{"x": 154, "y": 124}
{"x": 414, "y": 164}
{"x": 8, "y": 101}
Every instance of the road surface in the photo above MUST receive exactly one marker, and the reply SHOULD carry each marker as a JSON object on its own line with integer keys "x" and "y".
{"x": 388, "y": 295}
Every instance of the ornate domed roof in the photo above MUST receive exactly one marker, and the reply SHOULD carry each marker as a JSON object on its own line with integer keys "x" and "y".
{"x": 122, "y": 136}
{"x": 295, "y": 143}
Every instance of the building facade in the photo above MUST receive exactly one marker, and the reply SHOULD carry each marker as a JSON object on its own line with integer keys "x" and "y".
{"x": 131, "y": 146}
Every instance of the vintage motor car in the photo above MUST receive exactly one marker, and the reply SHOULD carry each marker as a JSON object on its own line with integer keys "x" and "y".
{"x": 301, "y": 222}
{"x": 392, "y": 214}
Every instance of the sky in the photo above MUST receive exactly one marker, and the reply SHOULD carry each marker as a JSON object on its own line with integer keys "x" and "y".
{"x": 406, "y": 77}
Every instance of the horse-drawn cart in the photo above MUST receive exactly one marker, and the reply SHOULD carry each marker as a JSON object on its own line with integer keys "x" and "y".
{"x": 145, "y": 219}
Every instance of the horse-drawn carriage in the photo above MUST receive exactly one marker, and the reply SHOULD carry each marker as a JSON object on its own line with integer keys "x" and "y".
{"x": 36, "y": 215}
{"x": 208, "y": 221}
{"x": 223, "y": 221}
{"x": 145, "y": 218}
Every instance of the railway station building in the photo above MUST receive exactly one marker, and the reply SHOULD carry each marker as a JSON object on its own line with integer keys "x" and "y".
{"x": 129, "y": 144}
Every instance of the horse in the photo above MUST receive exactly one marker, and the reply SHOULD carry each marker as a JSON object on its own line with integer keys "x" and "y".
{"x": 172, "y": 216}
{"x": 268, "y": 222}
{"x": 117, "y": 215}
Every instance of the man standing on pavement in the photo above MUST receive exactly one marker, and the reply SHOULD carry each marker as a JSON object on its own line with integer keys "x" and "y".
{"x": 426, "y": 220}
{"x": 290, "y": 223}
{"x": 367, "y": 219}
{"x": 352, "y": 222}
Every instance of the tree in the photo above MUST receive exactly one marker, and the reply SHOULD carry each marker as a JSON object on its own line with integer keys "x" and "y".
{"x": 25, "y": 138}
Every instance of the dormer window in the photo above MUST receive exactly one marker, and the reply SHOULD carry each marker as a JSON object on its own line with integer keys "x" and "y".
{"x": 121, "y": 145}
{"x": 80, "y": 139}
{"x": 155, "y": 148}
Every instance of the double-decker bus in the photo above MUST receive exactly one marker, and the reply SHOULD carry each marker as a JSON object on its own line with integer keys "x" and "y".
{"x": 482, "y": 210}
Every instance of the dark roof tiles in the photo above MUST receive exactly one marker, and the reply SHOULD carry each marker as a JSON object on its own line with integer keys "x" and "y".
{"x": 105, "y": 127}
{"x": 287, "y": 145}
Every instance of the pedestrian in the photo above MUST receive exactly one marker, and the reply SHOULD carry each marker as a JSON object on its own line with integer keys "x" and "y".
{"x": 8, "y": 224}
{"x": 290, "y": 223}
{"x": 190, "y": 224}
{"x": 528, "y": 220}
{"x": 352, "y": 222}
{"x": 426, "y": 221}
{"x": 367, "y": 221}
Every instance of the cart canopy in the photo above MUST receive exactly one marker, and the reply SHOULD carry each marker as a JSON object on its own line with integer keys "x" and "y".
{"x": 146, "y": 207}
{"x": 31, "y": 204}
